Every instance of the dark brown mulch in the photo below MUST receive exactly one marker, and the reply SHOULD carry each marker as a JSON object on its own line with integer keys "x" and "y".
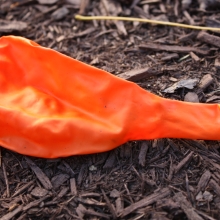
{"x": 158, "y": 179}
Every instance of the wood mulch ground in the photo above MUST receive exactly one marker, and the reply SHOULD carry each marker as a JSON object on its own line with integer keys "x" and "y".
{"x": 157, "y": 179}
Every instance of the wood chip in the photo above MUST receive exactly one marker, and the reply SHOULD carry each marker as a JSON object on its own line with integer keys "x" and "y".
{"x": 35, "y": 203}
{"x": 189, "y": 18}
{"x": 217, "y": 62}
{"x": 6, "y": 180}
{"x": 216, "y": 165}
{"x": 121, "y": 28}
{"x": 90, "y": 194}
{"x": 194, "y": 56}
{"x": 10, "y": 215}
{"x": 110, "y": 162}
{"x": 203, "y": 181}
{"x": 205, "y": 81}
{"x": 170, "y": 57}
{"x": 12, "y": 205}
{"x": 60, "y": 38}
{"x": 39, "y": 192}
{"x": 186, "y": 3}
{"x": 114, "y": 193}
{"x": 134, "y": 3}
{"x": 186, "y": 207}
{"x": 73, "y": 188}
{"x": 59, "y": 179}
{"x": 47, "y": 10}
{"x": 119, "y": 205}
{"x": 215, "y": 186}
{"x": 80, "y": 210}
{"x": 160, "y": 194}
{"x": 10, "y": 26}
{"x": 110, "y": 205}
{"x": 139, "y": 74}
{"x": 188, "y": 37}
{"x": 208, "y": 38}
{"x": 47, "y": 2}
{"x": 172, "y": 79}
{"x": 205, "y": 215}
{"x": 89, "y": 201}
{"x": 76, "y": 3}
{"x": 83, "y": 33}
{"x": 191, "y": 97}
{"x": 213, "y": 99}
{"x": 209, "y": 22}
{"x": 91, "y": 212}
{"x": 60, "y": 13}
{"x": 183, "y": 162}
{"x": 68, "y": 169}
{"x": 149, "y": 1}
{"x": 157, "y": 156}
{"x": 142, "y": 13}
{"x": 81, "y": 174}
{"x": 83, "y": 6}
{"x": 63, "y": 192}
{"x": 176, "y": 49}
{"x": 159, "y": 216}
{"x": 168, "y": 204}
{"x": 20, "y": 190}
{"x": 143, "y": 153}
{"x": 39, "y": 174}
{"x": 113, "y": 8}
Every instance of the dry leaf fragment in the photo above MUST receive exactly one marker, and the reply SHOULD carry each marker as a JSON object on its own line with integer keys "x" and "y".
{"x": 184, "y": 83}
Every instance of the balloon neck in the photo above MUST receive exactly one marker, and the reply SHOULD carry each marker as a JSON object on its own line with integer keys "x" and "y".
{"x": 156, "y": 117}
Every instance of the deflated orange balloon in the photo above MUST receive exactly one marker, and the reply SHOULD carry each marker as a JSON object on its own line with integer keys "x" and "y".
{"x": 54, "y": 106}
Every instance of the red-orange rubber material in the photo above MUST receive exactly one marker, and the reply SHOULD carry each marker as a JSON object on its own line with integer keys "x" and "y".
{"x": 54, "y": 106}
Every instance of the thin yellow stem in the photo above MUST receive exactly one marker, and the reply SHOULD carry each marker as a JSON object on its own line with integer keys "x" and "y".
{"x": 89, "y": 18}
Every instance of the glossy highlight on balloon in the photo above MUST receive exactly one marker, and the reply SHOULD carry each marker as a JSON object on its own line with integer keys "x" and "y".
{"x": 53, "y": 106}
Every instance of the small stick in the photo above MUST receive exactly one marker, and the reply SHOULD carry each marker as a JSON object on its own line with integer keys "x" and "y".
{"x": 6, "y": 180}
{"x": 110, "y": 206}
{"x": 11, "y": 214}
{"x": 89, "y": 18}
{"x": 128, "y": 192}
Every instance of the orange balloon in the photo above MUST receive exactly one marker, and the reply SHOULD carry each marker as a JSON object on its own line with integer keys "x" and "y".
{"x": 54, "y": 106}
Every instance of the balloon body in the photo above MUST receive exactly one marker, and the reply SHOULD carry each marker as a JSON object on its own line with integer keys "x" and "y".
{"x": 54, "y": 106}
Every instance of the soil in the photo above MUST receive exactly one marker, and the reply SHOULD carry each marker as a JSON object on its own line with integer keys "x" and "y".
{"x": 156, "y": 179}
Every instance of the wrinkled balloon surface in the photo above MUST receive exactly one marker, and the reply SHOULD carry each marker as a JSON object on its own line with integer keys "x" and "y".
{"x": 54, "y": 106}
